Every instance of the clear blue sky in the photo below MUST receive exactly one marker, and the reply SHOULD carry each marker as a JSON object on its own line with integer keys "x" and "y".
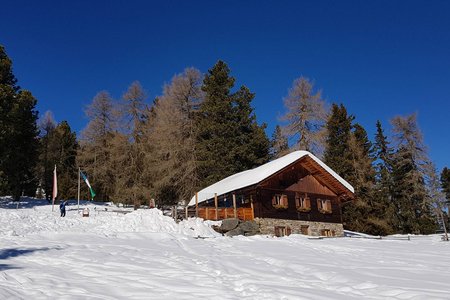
{"x": 379, "y": 58}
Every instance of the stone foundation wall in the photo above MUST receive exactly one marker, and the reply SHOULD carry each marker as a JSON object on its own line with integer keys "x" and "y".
{"x": 267, "y": 226}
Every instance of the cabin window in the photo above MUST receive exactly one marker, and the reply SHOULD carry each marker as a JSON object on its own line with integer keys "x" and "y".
{"x": 304, "y": 229}
{"x": 324, "y": 206}
{"x": 282, "y": 231}
{"x": 280, "y": 201}
{"x": 327, "y": 232}
{"x": 302, "y": 202}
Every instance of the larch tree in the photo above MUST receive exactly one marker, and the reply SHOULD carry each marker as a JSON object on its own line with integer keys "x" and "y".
{"x": 436, "y": 194}
{"x": 413, "y": 210}
{"x": 94, "y": 156}
{"x": 128, "y": 149}
{"x": 305, "y": 117}
{"x": 174, "y": 138}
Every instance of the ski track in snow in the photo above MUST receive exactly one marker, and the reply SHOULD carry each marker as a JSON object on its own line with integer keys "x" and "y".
{"x": 145, "y": 255}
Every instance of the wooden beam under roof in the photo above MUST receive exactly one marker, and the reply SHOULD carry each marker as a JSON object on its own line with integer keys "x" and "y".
{"x": 326, "y": 178}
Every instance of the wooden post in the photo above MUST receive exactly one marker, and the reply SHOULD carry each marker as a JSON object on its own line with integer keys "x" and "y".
{"x": 234, "y": 206}
{"x": 186, "y": 211}
{"x": 207, "y": 213}
{"x": 79, "y": 171}
{"x": 445, "y": 237}
{"x": 196, "y": 205}
{"x": 251, "y": 205}
{"x": 216, "y": 205}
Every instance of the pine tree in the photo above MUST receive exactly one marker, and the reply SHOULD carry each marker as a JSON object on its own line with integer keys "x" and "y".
{"x": 18, "y": 134}
{"x": 63, "y": 148}
{"x": 359, "y": 215}
{"x": 383, "y": 157}
{"x": 7, "y": 77}
{"x": 279, "y": 144}
{"x": 337, "y": 152}
{"x": 215, "y": 126}
{"x": 383, "y": 176}
{"x": 46, "y": 162}
{"x": 305, "y": 117}
{"x": 229, "y": 138}
{"x": 445, "y": 185}
{"x": 57, "y": 147}
{"x": 251, "y": 145}
{"x": 445, "y": 182}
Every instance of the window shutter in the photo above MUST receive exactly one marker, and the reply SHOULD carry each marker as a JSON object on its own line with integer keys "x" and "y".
{"x": 319, "y": 204}
{"x": 274, "y": 200}
{"x": 285, "y": 200}
{"x": 297, "y": 204}
{"x": 329, "y": 205}
{"x": 307, "y": 203}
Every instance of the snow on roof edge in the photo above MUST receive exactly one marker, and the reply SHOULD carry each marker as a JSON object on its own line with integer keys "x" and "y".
{"x": 256, "y": 175}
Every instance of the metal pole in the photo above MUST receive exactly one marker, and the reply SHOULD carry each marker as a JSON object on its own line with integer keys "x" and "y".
{"x": 79, "y": 189}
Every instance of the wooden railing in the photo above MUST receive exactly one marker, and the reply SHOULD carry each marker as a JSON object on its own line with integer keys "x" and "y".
{"x": 210, "y": 213}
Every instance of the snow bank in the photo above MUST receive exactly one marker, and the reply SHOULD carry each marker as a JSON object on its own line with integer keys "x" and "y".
{"x": 39, "y": 219}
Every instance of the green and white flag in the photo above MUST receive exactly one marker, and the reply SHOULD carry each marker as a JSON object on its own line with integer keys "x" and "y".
{"x": 88, "y": 184}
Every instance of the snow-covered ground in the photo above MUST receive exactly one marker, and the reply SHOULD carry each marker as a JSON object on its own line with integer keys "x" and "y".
{"x": 145, "y": 255}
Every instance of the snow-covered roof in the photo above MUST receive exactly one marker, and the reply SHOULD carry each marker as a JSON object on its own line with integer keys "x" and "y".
{"x": 256, "y": 175}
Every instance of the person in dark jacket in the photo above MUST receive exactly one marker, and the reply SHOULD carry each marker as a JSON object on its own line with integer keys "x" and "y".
{"x": 62, "y": 208}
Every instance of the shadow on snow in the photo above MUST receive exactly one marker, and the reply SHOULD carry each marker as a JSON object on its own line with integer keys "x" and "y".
{"x": 16, "y": 252}
{"x": 7, "y": 202}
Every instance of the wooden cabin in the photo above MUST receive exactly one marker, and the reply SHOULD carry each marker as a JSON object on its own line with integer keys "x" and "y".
{"x": 296, "y": 193}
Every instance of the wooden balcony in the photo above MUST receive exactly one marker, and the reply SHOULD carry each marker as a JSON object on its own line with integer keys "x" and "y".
{"x": 211, "y": 213}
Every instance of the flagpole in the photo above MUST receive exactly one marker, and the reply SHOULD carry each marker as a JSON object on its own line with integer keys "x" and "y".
{"x": 79, "y": 170}
{"x": 55, "y": 188}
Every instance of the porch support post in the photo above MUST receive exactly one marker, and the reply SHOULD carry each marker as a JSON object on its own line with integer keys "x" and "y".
{"x": 251, "y": 205}
{"x": 234, "y": 206}
{"x": 216, "y": 205}
{"x": 196, "y": 204}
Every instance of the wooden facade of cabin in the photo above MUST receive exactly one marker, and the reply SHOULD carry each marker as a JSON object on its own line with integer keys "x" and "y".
{"x": 303, "y": 194}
